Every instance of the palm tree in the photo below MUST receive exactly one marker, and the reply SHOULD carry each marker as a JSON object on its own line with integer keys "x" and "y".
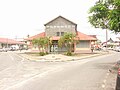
{"x": 47, "y": 42}
{"x": 67, "y": 40}
{"x": 42, "y": 43}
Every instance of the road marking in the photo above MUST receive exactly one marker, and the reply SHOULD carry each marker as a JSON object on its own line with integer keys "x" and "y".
{"x": 5, "y": 69}
{"x": 10, "y": 56}
{"x": 39, "y": 75}
{"x": 19, "y": 57}
{"x": 103, "y": 85}
{"x": 104, "y": 81}
{"x": 108, "y": 74}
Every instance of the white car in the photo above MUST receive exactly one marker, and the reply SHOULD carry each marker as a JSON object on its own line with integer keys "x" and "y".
{"x": 117, "y": 49}
{"x": 3, "y": 50}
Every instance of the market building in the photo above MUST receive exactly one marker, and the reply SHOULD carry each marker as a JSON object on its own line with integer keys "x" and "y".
{"x": 56, "y": 28}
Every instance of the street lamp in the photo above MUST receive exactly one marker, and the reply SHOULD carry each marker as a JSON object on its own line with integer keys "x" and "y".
{"x": 7, "y": 43}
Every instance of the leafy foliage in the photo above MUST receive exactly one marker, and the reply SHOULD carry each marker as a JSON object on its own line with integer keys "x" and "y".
{"x": 105, "y": 14}
{"x": 42, "y": 53}
{"x": 42, "y": 43}
{"x": 67, "y": 40}
{"x": 69, "y": 53}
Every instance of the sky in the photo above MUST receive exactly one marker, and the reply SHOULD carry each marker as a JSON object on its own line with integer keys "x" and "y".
{"x": 19, "y": 18}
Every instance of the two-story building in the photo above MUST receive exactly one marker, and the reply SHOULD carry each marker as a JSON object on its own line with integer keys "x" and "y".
{"x": 57, "y": 27}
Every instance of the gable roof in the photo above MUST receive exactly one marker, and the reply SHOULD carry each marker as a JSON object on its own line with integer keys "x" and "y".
{"x": 36, "y": 36}
{"x": 80, "y": 36}
{"x": 60, "y": 17}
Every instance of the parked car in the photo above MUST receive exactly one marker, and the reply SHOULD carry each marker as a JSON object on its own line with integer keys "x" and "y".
{"x": 12, "y": 49}
{"x": 118, "y": 80}
{"x": 117, "y": 48}
{"x": 3, "y": 50}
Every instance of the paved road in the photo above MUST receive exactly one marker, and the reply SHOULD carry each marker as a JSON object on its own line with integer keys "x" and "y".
{"x": 16, "y": 73}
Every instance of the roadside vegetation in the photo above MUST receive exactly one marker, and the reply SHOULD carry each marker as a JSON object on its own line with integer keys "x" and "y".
{"x": 42, "y": 44}
{"x": 67, "y": 40}
{"x": 105, "y": 14}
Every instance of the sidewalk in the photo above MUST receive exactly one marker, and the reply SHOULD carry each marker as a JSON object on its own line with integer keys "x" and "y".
{"x": 110, "y": 83}
{"x": 60, "y": 57}
{"x": 110, "y": 78}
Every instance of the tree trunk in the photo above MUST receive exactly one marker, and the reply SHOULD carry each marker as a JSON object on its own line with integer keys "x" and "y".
{"x": 39, "y": 48}
{"x": 70, "y": 48}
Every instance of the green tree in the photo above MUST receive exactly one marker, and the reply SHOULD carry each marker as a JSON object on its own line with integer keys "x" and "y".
{"x": 105, "y": 14}
{"x": 42, "y": 43}
{"x": 67, "y": 40}
{"x": 47, "y": 43}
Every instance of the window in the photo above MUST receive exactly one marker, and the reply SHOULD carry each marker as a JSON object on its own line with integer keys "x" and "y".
{"x": 55, "y": 26}
{"x": 62, "y": 26}
{"x": 47, "y": 27}
{"x": 62, "y": 33}
{"x": 58, "y": 33}
{"x": 58, "y": 26}
{"x": 73, "y": 26}
{"x": 69, "y": 26}
{"x": 66, "y": 26}
{"x": 51, "y": 26}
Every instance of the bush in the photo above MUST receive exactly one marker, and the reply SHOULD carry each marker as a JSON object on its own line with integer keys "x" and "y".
{"x": 42, "y": 53}
{"x": 47, "y": 53}
{"x": 69, "y": 54}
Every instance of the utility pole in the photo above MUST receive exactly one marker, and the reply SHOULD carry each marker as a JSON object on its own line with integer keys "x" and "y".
{"x": 106, "y": 27}
{"x": 106, "y": 40}
{"x": 7, "y": 43}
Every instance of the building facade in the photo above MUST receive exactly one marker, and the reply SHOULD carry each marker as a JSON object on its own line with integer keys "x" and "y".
{"x": 57, "y": 28}
{"x": 7, "y": 43}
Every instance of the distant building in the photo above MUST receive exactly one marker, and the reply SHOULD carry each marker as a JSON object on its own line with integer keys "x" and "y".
{"x": 5, "y": 43}
{"x": 57, "y": 27}
{"x": 117, "y": 41}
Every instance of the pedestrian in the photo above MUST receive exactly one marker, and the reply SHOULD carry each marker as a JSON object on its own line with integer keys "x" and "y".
{"x": 92, "y": 48}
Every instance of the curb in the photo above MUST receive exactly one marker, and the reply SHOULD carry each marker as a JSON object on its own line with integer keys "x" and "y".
{"x": 56, "y": 59}
{"x": 109, "y": 82}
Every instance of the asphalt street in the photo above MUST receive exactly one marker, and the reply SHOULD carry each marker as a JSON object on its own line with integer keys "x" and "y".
{"x": 17, "y": 73}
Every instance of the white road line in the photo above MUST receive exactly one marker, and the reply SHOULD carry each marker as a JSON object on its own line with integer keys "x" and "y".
{"x": 10, "y": 56}
{"x": 108, "y": 74}
{"x": 5, "y": 69}
{"x": 103, "y": 85}
{"x": 20, "y": 57}
{"x": 104, "y": 81}
{"x": 34, "y": 77}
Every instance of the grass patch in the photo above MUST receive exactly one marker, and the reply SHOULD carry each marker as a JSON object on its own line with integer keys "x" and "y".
{"x": 32, "y": 53}
{"x": 36, "y": 53}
